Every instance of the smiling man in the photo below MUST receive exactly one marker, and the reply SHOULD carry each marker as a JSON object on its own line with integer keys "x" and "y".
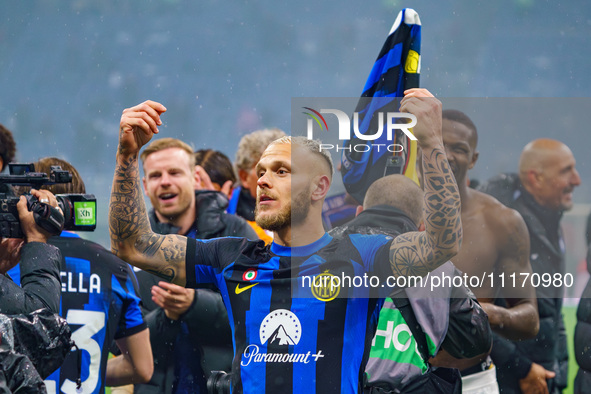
{"x": 287, "y": 338}
{"x": 495, "y": 241}
{"x": 187, "y": 326}
{"x": 541, "y": 192}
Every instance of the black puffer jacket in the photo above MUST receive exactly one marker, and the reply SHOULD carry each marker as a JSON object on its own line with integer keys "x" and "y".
{"x": 549, "y": 347}
{"x": 583, "y": 329}
{"x": 40, "y": 281}
{"x": 206, "y": 320}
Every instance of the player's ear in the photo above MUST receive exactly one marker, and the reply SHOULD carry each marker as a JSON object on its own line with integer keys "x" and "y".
{"x": 475, "y": 156}
{"x": 358, "y": 210}
{"x": 243, "y": 175}
{"x": 321, "y": 185}
{"x": 145, "y": 186}
{"x": 198, "y": 181}
{"x": 422, "y": 226}
{"x": 533, "y": 178}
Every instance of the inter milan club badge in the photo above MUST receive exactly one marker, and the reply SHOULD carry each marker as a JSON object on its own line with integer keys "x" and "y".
{"x": 324, "y": 287}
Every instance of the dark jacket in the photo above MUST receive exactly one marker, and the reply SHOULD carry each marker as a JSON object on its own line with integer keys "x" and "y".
{"x": 583, "y": 329}
{"x": 206, "y": 332}
{"x": 41, "y": 289}
{"x": 40, "y": 281}
{"x": 549, "y": 348}
{"x": 467, "y": 333}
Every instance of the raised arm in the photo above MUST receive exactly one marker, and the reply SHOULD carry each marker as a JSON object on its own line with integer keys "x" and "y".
{"x": 132, "y": 238}
{"x": 418, "y": 253}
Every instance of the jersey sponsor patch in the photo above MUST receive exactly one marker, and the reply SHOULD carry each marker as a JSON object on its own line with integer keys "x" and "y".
{"x": 279, "y": 327}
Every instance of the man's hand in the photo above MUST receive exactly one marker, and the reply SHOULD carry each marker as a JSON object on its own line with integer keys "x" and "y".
{"x": 427, "y": 109}
{"x": 205, "y": 182}
{"x": 535, "y": 381}
{"x": 138, "y": 125}
{"x": 174, "y": 299}
{"x": 34, "y": 233}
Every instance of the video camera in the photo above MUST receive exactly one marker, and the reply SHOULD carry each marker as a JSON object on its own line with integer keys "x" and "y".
{"x": 79, "y": 210}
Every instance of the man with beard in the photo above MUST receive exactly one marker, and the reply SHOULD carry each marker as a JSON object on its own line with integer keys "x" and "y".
{"x": 495, "y": 241}
{"x": 541, "y": 192}
{"x": 243, "y": 198}
{"x": 189, "y": 328}
{"x": 287, "y": 336}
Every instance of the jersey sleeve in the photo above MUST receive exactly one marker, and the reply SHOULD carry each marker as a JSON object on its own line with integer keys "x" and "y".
{"x": 206, "y": 258}
{"x": 131, "y": 320}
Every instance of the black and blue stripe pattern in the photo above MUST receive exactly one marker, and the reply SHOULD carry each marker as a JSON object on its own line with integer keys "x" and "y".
{"x": 396, "y": 69}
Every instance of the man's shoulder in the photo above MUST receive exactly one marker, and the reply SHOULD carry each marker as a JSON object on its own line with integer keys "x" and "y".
{"x": 229, "y": 246}
{"x": 502, "y": 187}
{"x": 494, "y": 211}
{"x": 504, "y": 221}
{"x": 236, "y": 226}
{"x": 96, "y": 254}
{"x": 213, "y": 221}
{"x": 364, "y": 243}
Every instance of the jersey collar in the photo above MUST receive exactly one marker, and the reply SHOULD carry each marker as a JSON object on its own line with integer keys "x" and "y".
{"x": 305, "y": 250}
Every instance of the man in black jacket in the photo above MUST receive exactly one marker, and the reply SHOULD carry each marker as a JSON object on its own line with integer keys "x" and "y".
{"x": 583, "y": 328}
{"x": 541, "y": 192}
{"x": 189, "y": 328}
{"x": 40, "y": 284}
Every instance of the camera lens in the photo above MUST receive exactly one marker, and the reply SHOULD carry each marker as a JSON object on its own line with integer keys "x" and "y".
{"x": 219, "y": 382}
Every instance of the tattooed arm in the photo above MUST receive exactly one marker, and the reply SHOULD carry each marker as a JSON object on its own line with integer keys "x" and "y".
{"x": 418, "y": 253}
{"x": 132, "y": 238}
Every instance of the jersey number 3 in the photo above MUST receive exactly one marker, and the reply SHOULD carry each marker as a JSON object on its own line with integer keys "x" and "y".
{"x": 92, "y": 322}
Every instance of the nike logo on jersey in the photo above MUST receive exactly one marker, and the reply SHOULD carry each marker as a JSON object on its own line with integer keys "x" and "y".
{"x": 240, "y": 290}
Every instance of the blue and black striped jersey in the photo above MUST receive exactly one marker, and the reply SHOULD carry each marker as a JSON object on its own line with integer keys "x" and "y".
{"x": 289, "y": 336}
{"x": 100, "y": 303}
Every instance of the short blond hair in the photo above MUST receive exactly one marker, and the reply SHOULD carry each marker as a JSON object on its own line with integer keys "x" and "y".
{"x": 166, "y": 143}
{"x": 312, "y": 146}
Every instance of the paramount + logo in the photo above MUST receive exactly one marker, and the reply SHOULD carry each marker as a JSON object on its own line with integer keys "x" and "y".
{"x": 387, "y": 122}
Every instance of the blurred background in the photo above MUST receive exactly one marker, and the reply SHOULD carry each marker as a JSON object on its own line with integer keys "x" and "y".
{"x": 224, "y": 69}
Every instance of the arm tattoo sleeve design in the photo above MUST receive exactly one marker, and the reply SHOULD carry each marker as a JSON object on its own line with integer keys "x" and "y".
{"x": 130, "y": 228}
{"x": 418, "y": 253}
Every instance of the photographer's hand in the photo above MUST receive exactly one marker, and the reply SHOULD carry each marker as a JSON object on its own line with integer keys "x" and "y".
{"x": 34, "y": 233}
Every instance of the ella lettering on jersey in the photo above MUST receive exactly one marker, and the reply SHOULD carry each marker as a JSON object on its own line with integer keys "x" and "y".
{"x": 80, "y": 284}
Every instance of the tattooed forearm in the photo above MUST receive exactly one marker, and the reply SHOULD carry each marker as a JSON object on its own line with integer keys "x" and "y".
{"x": 420, "y": 253}
{"x": 149, "y": 244}
{"x": 442, "y": 205}
{"x": 132, "y": 237}
{"x": 127, "y": 216}
{"x": 171, "y": 247}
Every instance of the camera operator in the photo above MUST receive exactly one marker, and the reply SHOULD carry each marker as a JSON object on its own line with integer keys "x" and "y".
{"x": 100, "y": 291}
{"x": 39, "y": 262}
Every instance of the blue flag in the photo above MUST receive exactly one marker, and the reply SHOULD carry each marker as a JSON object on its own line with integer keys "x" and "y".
{"x": 396, "y": 69}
